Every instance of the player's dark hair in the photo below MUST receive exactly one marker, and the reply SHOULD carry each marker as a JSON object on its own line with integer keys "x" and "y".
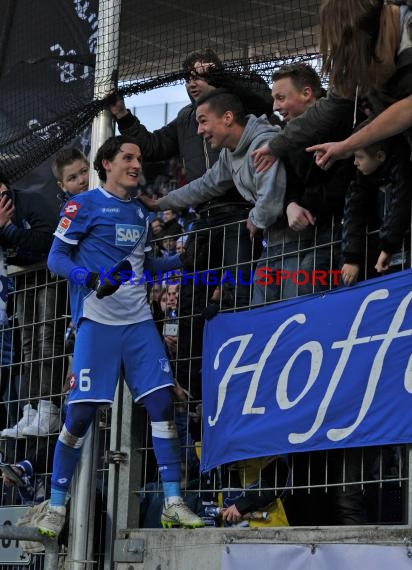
{"x": 109, "y": 149}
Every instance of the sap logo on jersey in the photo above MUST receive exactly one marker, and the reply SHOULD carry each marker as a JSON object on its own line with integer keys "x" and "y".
{"x": 127, "y": 234}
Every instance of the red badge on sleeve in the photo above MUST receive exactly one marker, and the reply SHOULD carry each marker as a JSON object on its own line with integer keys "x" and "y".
{"x": 71, "y": 209}
{"x": 63, "y": 226}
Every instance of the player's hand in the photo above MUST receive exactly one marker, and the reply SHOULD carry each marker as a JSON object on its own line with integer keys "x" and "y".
{"x": 350, "y": 272}
{"x": 383, "y": 262}
{"x": 328, "y": 153}
{"x": 120, "y": 274}
{"x": 263, "y": 158}
{"x": 298, "y": 217}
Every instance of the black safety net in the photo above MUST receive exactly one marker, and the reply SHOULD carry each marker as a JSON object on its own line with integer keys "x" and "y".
{"x": 52, "y": 85}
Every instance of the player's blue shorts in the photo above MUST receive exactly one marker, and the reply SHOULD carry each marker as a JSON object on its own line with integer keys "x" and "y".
{"x": 101, "y": 349}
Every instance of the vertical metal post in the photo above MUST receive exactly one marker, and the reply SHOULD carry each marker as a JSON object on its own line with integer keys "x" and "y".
{"x": 166, "y": 113}
{"x": 83, "y": 502}
{"x": 124, "y": 477}
{"x": 106, "y": 70}
{"x": 84, "y": 491}
{"x": 112, "y": 484}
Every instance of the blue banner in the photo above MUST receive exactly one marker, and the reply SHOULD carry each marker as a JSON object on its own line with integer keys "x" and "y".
{"x": 316, "y": 372}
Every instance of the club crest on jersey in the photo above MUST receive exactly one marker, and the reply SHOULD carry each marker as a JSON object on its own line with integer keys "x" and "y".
{"x": 127, "y": 234}
{"x": 63, "y": 226}
{"x": 71, "y": 209}
{"x": 164, "y": 365}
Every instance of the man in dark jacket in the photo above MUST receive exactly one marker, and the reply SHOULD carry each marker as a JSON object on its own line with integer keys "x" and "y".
{"x": 229, "y": 246}
{"x": 314, "y": 205}
{"x": 27, "y": 223}
{"x": 296, "y": 88}
{"x": 314, "y": 198}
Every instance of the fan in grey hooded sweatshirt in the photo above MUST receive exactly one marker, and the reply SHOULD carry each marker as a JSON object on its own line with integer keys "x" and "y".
{"x": 266, "y": 190}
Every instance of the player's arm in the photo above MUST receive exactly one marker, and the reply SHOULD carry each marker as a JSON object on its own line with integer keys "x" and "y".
{"x": 67, "y": 236}
{"x": 60, "y": 262}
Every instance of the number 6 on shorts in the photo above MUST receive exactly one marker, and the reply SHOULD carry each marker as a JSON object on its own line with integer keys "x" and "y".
{"x": 84, "y": 380}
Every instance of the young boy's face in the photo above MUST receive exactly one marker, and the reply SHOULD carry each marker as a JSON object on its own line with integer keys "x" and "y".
{"x": 75, "y": 177}
{"x": 368, "y": 163}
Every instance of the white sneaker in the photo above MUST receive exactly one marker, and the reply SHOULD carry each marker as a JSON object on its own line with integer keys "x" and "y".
{"x": 46, "y": 420}
{"x": 17, "y": 430}
{"x": 178, "y": 514}
{"x": 52, "y": 522}
{"x": 31, "y": 518}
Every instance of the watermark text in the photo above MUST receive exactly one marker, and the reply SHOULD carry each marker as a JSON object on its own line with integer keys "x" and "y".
{"x": 264, "y": 276}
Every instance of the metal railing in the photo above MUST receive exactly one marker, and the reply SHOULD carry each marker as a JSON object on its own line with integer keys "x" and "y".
{"x": 128, "y": 487}
{"x": 51, "y": 553}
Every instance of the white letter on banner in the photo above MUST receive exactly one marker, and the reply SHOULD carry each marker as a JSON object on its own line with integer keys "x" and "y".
{"x": 375, "y": 373}
{"x": 315, "y": 348}
{"x": 255, "y": 368}
{"x": 230, "y": 371}
{"x": 346, "y": 346}
{"x": 408, "y": 376}
{"x": 251, "y": 395}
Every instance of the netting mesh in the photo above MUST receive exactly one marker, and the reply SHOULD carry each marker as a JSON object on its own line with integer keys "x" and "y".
{"x": 46, "y": 79}
{"x": 156, "y": 37}
{"x": 50, "y": 87}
